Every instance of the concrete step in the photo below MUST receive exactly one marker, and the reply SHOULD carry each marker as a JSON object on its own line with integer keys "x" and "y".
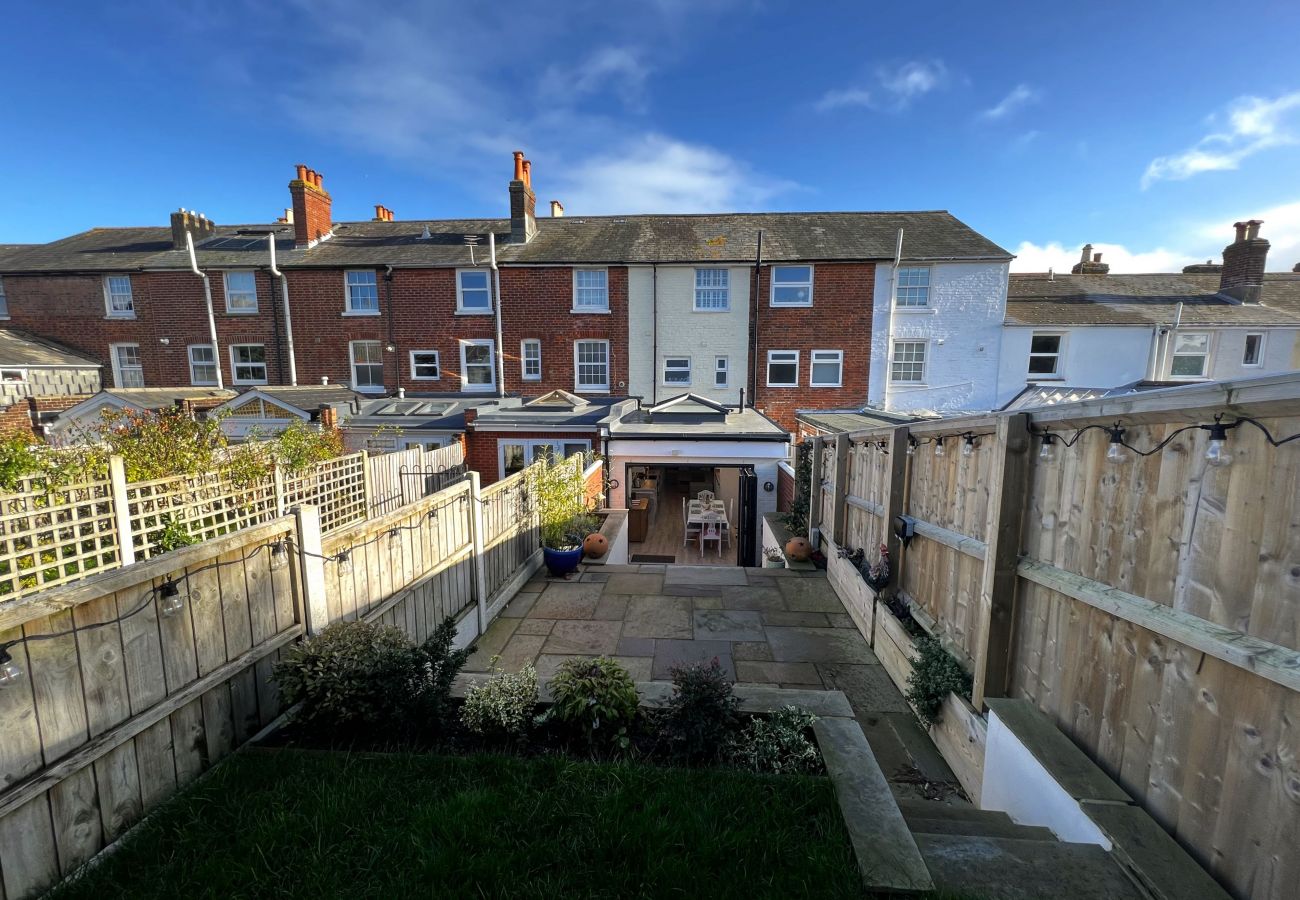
{"x": 993, "y": 829}
{"x": 1017, "y": 869}
{"x": 954, "y": 808}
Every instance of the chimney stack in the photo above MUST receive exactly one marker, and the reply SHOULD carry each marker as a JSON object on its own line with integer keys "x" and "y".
{"x": 1209, "y": 267}
{"x": 329, "y": 417}
{"x": 1296, "y": 268}
{"x": 1090, "y": 263}
{"x": 311, "y": 208}
{"x": 197, "y": 224}
{"x": 383, "y": 213}
{"x": 557, "y": 209}
{"x": 1243, "y": 263}
{"x": 523, "y": 202}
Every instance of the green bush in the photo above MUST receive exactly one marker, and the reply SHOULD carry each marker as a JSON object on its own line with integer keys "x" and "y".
{"x": 778, "y": 743}
{"x": 596, "y": 698}
{"x": 503, "y": 705}
{"x": 935, "y": 674}
{"x": 173, "y": 535}
{"x": 702, "y": 713}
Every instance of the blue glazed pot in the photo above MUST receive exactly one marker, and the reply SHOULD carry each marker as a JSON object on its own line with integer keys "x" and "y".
{"x": 561, "y": 562}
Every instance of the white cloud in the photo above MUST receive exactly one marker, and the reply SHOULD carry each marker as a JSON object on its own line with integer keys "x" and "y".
{"x": 1021, "y": 96}
{"x": 893, "y": 89}
{"x": 619, "y": 70}
{"x": 1253, "y": 124}
{"x": 1281, "y": 227}
{"x": 1031, "y": 257}
{"x": 834, "y": 99}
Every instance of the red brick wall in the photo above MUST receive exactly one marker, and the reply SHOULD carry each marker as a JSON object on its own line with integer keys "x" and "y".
{"x": 481, "y": 451}
{"x": 839, "y": 319}
{"x": 784, "y": 490}
{"x": 15, "y": 417}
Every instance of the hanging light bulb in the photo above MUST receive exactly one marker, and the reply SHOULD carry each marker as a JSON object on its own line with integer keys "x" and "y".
{"x": 911, "y": 446}
{"x": 968, "y": 448}
{"x": 1216, "y": 454}
{"x": 171, "y": 601}
{"x": 10, "y": 671}
{"x": 938, "y": 446}
{"x": 1115, "y": 454}
{"x": 1047, "y": 452}
{"x": 344, "y": 560}
{"x": 279, "y": 556}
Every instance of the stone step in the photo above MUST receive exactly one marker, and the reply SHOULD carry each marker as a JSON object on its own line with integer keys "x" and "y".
{"x": 994, "y": 827}
{"x": 954, "y": 808}
{"x": 1017, "y": 869}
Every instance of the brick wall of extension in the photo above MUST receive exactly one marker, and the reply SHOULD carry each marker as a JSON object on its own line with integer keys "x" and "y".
{"x": 482, "y": 448}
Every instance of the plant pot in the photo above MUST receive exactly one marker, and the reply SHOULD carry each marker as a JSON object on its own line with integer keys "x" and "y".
{"x": 773, "y": 563}
{"x": 561, "y": 562}
{"x": 596, "y": 545}
{"x": 798, "y": 549}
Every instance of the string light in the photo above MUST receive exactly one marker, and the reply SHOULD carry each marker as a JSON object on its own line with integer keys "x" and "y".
{"x": 344, "y": 560}
{"x": 279, "y": 555}
{"x": 10, "y": 671}
{"x": 1215, "y": 452}
{"x": 912, "y": 444}
{"x": 170, "y": 600}
{"x": 968, "y": 448}
{"x": 1115, "y": 454}
{"x": 938, "y": 445}
{"x": 1047, "y": 452}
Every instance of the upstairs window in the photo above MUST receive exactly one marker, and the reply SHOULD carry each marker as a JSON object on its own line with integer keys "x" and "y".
{"x": 913, "y": 288}
{"x": 792, "y": 285}
{"x": 721, "y": 372}
{"x": 590, "y": 290}
{"x": 1191, "y": 352}
{"x": 203, "y": 364}
{"x": 478, "y": 365}
{"x": 128, "y": 370}
{"x": 248, "y": 363}
{"x": 424, "y": 365}
{"x": 826, "y": 368}
{"x": 712, "y": 290}
{"x": 677, "y": 370}
{"x": 783, "y": 368}
{"x": 908, "y": 364}
{"x": 241, "y": 292}
{"x": 1045, "y": 354}
{"x": 4, "y": 301}
{"x": 117, "y": 297}
{"x": 472, "y": 292}
{"x": 591, "y": 365}
{"x": 367, "y": 366}
{"x": 530, "y": 359}
{"x": 363, "y": 293}
{"x": 1251, "y": 355}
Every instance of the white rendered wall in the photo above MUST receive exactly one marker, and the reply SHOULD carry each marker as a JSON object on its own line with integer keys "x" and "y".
{"x": 1228, "y": 345}
{"x": 1091, "y": 356}
{"x": 963, "y": 329}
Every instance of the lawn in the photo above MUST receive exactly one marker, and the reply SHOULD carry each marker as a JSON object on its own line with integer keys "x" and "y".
{"x": 304, "y": 824}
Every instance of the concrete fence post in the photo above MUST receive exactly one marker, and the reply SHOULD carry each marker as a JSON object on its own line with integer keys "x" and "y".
{"x": 477, "y": 554}
{"x": 815, "y": 489}
{"x": 315, "y": 610}
{"x": 840, "y": 490}
{"x": 277, "y": 484}
{"x": 121, "y": 510}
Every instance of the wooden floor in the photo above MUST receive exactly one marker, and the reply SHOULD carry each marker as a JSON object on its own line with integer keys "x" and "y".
{"x": 665, "y": 537}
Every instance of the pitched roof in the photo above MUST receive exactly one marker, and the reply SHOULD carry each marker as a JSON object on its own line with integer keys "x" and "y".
{"x": 21, "y": 349}
{"x": 836, "y": 421}
{"x": 1146, "y": 299}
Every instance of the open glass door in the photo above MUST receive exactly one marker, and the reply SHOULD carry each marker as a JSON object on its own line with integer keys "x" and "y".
{"x": 747, "y": 518}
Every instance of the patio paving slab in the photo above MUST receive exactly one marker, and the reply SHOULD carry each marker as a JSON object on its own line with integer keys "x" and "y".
{"x": 752, "y": 598}
{"x": 659, "y": 617}
{"x": 818, "y": 645}
{"x": 522, "y": 649}
{"x": 868, "y": 687}
{"x": 787, "y": 618}
{"x": 491, "y": 643}
{"x": 638, "y": 667}
{"x": 535, "y": 626}
{"x": 754, "y": 651}
{"x": 841, "y": 620}
{"x": 521, "y": 605}
{"x": 691, "y": 590}
{"x": 700, "y": 575}
{"x": 585, "y": 638}
{"x": 782, "y": 673}
{"x": 567, "y": 601}
{"x": 635, "y": 646}
{"x": 634, "y": 584}
{"x": 728, "y": 625}
{"x": 549, "y": 663}
{"x": 809, "y": 595}
{"x": 707, "y": 602}
{"x": 612, "y": 609}
{"x": 672, "y": 653}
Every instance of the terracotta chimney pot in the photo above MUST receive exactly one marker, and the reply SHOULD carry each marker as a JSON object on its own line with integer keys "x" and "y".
{"x": 302, "y": 172}
{"x": 519, "y": 165}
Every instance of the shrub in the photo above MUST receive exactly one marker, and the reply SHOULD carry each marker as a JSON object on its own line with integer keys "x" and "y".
{"x": 778, "y": 743}
{"x": 597, "y": 698}
{"x": 440, "y": 664}
{"x": 702, "y": 714}
{"x": 503, "y": 705}
{"x": 173, "y": 535}
{"x": 558, "y": 489}
{"x": 301, "y": 446}
{"x": 935, "y": 673}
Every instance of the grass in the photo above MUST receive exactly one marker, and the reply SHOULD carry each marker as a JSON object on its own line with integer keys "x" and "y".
{"x": 301, "y": 824}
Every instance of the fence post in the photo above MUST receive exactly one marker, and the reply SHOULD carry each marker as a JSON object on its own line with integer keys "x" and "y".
{"x": 121, "y": 510}
{"x": 476, "y": 535}
{"x": 815, "y": 489}
{"x": 277, "y": 482}
{"x": 315, "y": 610}
{"x": 840, "y": 492}
{"x": 892, "y": 504}
{"x": 1008, "y": 483}
{"x": 367, "y": 489}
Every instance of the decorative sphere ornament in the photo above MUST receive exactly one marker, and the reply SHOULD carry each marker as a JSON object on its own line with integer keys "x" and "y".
{"x": 798, "y": 549}
{"x": 595, "y": 545}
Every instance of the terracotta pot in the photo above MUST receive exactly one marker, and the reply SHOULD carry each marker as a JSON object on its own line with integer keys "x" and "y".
{"x": 596, "y": 545}
{"x": 798, "y": 549}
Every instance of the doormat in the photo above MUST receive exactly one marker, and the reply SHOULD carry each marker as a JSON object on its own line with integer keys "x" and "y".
{"x": 652, "y": 558}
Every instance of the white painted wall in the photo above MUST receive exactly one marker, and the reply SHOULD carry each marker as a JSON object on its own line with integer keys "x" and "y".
{"x": 702, "y": 336}
{"x": 963, "y": 328}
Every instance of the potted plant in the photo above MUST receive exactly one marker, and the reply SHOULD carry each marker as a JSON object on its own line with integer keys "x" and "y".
{"x": 565, "y": 523}
{"x": 772, "y": 558}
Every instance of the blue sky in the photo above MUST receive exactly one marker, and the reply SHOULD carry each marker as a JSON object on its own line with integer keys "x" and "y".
{"x": 1145, "y": 129}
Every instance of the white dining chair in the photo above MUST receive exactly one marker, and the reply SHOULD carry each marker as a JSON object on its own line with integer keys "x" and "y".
{"x": 706, "y": 498}
{"x": 689, "y": 528}
{"x": 712, "y": 531}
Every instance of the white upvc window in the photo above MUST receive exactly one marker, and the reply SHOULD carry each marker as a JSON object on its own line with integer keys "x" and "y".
{"x": 590, "y": 290}
{"x": 1191, "y": 354}
{"x": 128, "y": 370}
{"x": 248, "y": 363}
{"x": 362, "y": 292}
{"x": 530, "y": 359}
{"x": 1252, "y": 353}
{"x": 783, "y": 368}
{"x": 826, "y": 368}
{"x": 203, "y": 364}
{"x": 241, "y": 292}
{"x": 514, "y": 455}
{"x": 367, "y": 366}
{"x": 913, "y": 286}
{"x": 721, "y": 372}
{"x": 712, "y": 290}
{"x": 907, "y": 366}
{"x": 13, "y": 376}
{"x": 478, "y": 371}
{"x": 118, "y": 300}
{"x": 792, "y": 286}
{"x": 677, "y": 370}
{"x": 1045, "y": 354}
{"x": 425, "y": 365}
{"x": 473, "y": 293}
{"x": 590, "y": 366}
{"x": 4, "y": 301}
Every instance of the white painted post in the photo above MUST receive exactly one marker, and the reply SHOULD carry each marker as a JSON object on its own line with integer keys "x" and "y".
{"x": 815, "y": 489}
{"x": 366, "y": 487}
{"x": 277, "y": 477}
{"x": 314, "y": 611}
{"x": 476, "y": 536}
{"x": 121, "y": 510}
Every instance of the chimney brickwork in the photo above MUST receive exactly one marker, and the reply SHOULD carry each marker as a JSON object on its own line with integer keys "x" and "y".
{"x": 311, "y": 208}
{"x": 1243, "y": 263}
{"x": 1090, "y": 263}
{"x": 523, "y": 202}
{"x": 184, "y": 220}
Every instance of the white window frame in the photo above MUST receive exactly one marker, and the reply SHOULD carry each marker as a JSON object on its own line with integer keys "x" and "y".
{"x": 437, "y": 364}
{"x": 579, "y": 307}
{"x": 13, "y": 375}
{"x": 239, "y": 310}
{"x": 1174, "y": 355}
{"x": 465, "y": 384}
{"x": 461, "y": 308}
{"x": 1059, "y": 355}
{"x": 771, "y": 358}
{"x": 1259, "y": 350}
{"x": 119, "y": 369}
{"x": 812, "y": 368}
{"x": 349, "y": 309}
{"x": 109, "y": 311}
{"x": 721, "y": 366}
{"x": 352, "y": 366}
{"x": 580, "y": 388}
{"x": 664, "y": 369}
{"x": 214, "y": 363}
{"x": 772, "y": 301}
{"x": 235, "y": 364}
{"x": 905, "y": 293}
{"x": 524, "y": 359}
{"x": 895, "y": 361}
{"x": 725, "y": 287}
{"x": 531, "y": 447}
{"x": 4, "y": 300}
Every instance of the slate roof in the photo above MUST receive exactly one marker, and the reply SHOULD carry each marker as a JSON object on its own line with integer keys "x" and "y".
{"x": 21, "y": 349}
{"x": 837, "y": 421}
{"x": 1034, "y": 299}
{"x": 309, "y": 397}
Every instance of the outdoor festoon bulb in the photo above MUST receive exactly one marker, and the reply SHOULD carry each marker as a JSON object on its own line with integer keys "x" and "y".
{"x": 279, "y": 556}
{"x": 1047, "y": 452}
{"x": 968, "y": 448}
{"x": 10, "y": 671}
{"x": 938, "y": 446}
{"x": 911, "y": 447}
{"x": 1216, "y": 454}
{"x": 171, "y": 603}
{"x": 344, "y": 559}
{"x": 1115, "y": 452}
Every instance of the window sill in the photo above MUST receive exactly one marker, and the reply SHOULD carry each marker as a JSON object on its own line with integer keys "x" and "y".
{"x": 590, "y": 390}
{"x": 591, "y": 312}
{"x": 919, "y": 310}
{"x": 210, "y": 384}
{"x": 826, "y": 385}
{"x": 1032, "y": 379}
{"x": 727, "y": 310}
{"x": 769, "y": 384}
{"x": 479, "y": 389}
{"x": 360, "y": 313}
{"x": 473, "y": 312}
{"x": 248, "y": 383}
{"x": 243, "y": 312}
{"x": 910, "y": 384}
{"x": 369, "y": 390}
{"x": 790, "y": 305}
{"x": 426, "y": 378}
{"x": 119, "y": 318}
{"x": 531, "y": 378}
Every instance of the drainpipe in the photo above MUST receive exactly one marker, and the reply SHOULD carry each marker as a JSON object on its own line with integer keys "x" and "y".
{"x": 288, "y": 322}
{"x": 1166, "y": 352}
{"x": 207, "y": 296}
{"x": 1153, "y": 355}
{"x": 889, "y": 322}
{"x": 654, "y": 335}
{"x": 496, "y": 283}
{"x": 758, "y": 305}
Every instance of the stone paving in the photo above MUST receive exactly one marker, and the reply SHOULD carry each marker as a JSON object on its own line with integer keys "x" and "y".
{"x": 775, "y": 627}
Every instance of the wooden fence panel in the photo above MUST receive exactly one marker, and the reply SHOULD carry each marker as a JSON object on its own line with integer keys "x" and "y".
{"x": 405, "y": 476}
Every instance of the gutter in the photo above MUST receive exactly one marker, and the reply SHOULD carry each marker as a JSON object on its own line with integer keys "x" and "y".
{"x": 212, "y": 321}
{"x": 284, "y": 298}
